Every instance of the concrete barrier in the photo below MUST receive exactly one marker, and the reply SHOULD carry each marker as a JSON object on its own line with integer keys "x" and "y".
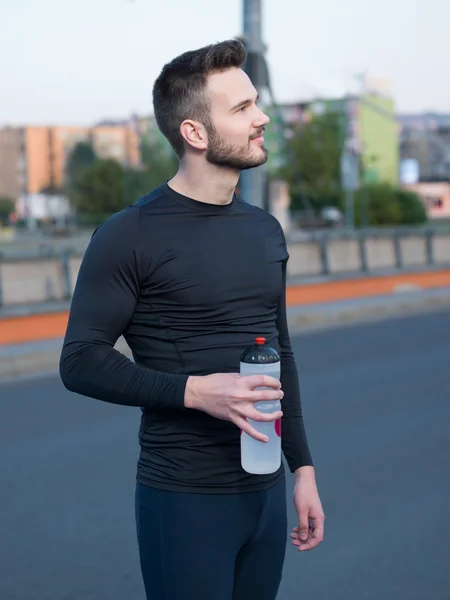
{"x": 344, "y": 256}
{"x": 441, "y": 248}
{"x": 413, "y": 251}
{"x": 380, "y": 254}
{"x": 304, "y": 259}
{"x": 28, "y": 281}
{"x": 36, "y": 280}
{"x": 74, "y": 267}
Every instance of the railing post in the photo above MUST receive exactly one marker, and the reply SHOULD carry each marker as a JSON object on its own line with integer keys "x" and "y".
{"x": 429, "y": 246}
{"x": 362, "y": 251}
{"x": 397, "y": 250}
{"x": 1, "y": 282}
{"x": 324, "y": 254}
{"x": 65, "y": 264}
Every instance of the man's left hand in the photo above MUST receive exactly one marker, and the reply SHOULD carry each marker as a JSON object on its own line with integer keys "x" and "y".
{"x": 311, "y": 518}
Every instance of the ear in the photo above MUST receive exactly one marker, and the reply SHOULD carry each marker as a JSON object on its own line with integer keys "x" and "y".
{"x": 194, "y": 134}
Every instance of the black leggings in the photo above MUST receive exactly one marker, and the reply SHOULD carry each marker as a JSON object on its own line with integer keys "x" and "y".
{"x": 211, "y": 546}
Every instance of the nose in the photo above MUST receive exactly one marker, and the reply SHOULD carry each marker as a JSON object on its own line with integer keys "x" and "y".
{"x": 262, "y": 119}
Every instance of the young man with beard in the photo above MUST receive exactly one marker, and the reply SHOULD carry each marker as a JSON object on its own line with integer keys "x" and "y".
{"x": 189, "y": 275}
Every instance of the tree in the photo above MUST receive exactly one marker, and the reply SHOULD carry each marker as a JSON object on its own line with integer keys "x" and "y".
{"x": 389, "y": 205}
{"x": 102, "y": 187}
{"x": 79, "y": 162}
{"x": 312, "y": 166}
{"x": 159, "y": 162}
{"x": 100, "y": 190}
{"x": 80, "y": 159}
{"x": 413, "y": 209}
{"x": 7, "y": 206}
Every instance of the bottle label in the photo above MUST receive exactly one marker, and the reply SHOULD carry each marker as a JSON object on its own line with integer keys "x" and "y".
{"x": 278, "y": 427}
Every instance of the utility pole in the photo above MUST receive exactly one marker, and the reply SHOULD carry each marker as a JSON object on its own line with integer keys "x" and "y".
{"x": 349, "y": 166}
{"x": 252, "y": 182}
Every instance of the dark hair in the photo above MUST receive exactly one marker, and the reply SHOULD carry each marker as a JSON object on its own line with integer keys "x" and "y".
{"x": 179, "y": 91}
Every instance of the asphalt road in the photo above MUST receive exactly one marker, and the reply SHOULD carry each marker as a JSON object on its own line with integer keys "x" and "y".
{"x": 377, "y": 406}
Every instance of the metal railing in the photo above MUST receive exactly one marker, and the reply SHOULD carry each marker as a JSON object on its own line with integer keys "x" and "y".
{"x": 46, "y": 273}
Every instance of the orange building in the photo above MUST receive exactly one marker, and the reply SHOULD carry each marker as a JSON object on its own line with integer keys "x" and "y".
{"x": 34, "y": 158}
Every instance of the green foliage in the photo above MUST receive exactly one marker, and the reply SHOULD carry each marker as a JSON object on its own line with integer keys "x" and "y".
{"x": 312, "y": 170}
{"x": 100, "y": 189}
{"x": 413, "y": 209}
{"x": 80, "y": 159}
{"x": 388, "y": 205}
{"x": 159, "y": 163}
{"x": 7, "y": 206}
{"x": 313, "y": 165}
{"x": 79, "y": 162}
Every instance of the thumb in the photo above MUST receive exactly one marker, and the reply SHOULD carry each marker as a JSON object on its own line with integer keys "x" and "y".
{"x": 303, "y": 526}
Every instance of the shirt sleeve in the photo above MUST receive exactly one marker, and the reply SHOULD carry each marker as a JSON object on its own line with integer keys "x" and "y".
{"x": 103, "y": 303}
{"x": 293, "y": 434}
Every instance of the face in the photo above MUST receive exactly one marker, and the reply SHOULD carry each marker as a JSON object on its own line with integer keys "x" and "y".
{"x": 235, "y": 134}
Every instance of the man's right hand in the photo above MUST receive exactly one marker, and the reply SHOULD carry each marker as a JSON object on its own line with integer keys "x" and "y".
{"x": 231, "y": 397}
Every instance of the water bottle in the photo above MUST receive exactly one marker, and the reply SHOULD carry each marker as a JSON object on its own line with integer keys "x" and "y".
{"x": 261, "y": 458}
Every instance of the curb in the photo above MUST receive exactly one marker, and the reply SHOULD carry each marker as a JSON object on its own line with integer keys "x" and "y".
{"x": 42, "y": 357}
{"x": 405, "y": 303}
{"x": 37, "y": 359}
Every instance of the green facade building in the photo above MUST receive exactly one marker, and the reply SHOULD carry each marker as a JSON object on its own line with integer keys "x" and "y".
{"x": 369, "y": 123}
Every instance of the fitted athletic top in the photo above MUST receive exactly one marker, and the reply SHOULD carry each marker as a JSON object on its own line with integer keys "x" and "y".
{"x": 189, "y": 285}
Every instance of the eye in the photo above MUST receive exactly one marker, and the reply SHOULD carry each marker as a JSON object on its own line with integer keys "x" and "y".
{"x": 243, "y": 108}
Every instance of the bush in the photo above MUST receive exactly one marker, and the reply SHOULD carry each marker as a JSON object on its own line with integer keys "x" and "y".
{"x": 413, "y": 210}
{"x": 7, "y": 206}
{"x": 100, "y": 190}
{"x": 388, "y": 205}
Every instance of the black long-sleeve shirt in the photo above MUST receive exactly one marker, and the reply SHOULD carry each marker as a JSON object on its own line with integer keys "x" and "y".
{"x": 189, "y": 285}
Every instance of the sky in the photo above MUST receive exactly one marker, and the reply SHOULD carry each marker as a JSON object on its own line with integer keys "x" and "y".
{"x": 66, "y": 62}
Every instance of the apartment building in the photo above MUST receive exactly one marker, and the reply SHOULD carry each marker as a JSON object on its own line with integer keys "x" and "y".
{"x": 425, "y": 138}
{"x": 367, "y": 121}
{"x": 34, "y": 158}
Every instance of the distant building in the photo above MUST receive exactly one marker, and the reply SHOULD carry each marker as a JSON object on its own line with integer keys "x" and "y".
{"x": 34, "y": 158}
{"x": 435, "y": 197}
{"x": 426, "y": 120}
{"x": 425, "y": 138}
{"x": 368, "y": 123}
{"x": 43, "y": 207}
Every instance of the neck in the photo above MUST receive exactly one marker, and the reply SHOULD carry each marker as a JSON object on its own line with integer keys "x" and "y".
{"x": 205, "y": 182}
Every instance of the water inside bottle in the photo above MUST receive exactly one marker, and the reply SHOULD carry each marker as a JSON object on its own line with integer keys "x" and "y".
{"x": 262, "y": 457}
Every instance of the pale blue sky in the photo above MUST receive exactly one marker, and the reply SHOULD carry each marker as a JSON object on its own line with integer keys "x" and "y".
{"x": 77, "y": 61}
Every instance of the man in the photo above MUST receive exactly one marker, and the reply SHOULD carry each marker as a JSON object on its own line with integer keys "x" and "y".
{"x": 189, "y": 275}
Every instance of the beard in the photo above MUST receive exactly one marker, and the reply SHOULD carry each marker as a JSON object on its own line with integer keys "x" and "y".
{"x": 231, "y": 156}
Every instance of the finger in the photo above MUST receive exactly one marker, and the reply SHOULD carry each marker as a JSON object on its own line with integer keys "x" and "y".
{"x": 301, "y": 545}
{"x": 303, "y": 526}
{"x": 309, "y": 545}
{"x": 318, "y": 528}
{"x": 295, "y": 536}
{"x": 244, "y": 425}
{"x": 315, "y": 539}
{"x": 256, "y": 415}
{"x": 255, "y": 381}
{"x": 263, "y": 395}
